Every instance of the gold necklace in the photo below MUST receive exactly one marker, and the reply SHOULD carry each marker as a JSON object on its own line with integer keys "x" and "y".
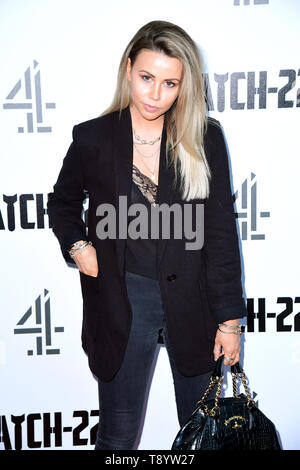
{"x": 144, "y": 156}
{"x": 151, "y": 171}
{"x": 143, "y": 141}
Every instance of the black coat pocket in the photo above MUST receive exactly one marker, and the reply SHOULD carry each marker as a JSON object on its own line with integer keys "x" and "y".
{"x": 90, "y": 288}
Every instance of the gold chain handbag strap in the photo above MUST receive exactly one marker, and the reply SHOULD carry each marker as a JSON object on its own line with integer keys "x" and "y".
{"x": 242, "y": 376}
{"x": 213, "y": 411}
{"x": 217, "y": 379}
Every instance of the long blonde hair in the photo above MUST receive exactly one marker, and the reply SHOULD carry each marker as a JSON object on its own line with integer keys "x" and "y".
{"x": 186, "y": 120}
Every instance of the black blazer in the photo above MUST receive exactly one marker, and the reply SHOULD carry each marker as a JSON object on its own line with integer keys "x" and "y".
{"x": 199, "y": 288}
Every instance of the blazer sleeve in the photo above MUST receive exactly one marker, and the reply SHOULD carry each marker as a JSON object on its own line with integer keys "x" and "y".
{"x": 65, "y": 203}
{"x": 221, "y": 247}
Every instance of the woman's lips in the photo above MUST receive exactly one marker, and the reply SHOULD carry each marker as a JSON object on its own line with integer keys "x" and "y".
{"x": 149, "y": 108}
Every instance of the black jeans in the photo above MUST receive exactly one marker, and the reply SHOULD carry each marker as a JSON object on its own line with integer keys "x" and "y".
{"x": 121, "y": 400}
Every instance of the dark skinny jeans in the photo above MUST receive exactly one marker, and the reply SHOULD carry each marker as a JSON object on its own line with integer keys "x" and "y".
{"x": 121, "y": 400}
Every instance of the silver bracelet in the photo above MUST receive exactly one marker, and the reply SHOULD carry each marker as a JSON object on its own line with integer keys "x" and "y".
{"x": 77, "y": 247}
{"x": 237, "y": 331}
{"x": 80, "y": 243}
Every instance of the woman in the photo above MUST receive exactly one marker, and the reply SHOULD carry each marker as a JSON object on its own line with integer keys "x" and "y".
{"x": 154, "y": 148}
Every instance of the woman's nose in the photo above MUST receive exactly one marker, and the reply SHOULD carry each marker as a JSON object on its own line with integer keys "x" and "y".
{"x": 155, "y": 92}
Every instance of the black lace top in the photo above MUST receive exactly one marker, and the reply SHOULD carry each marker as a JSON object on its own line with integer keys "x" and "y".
{"x": 145, "y": 185}
{"x": 141, "y": 253}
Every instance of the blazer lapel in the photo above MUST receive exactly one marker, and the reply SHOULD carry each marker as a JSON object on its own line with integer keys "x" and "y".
{"x": 165, "y": 191}
{"x": 123, "y": 159}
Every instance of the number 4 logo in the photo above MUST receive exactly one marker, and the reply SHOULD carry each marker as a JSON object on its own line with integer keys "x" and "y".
{"x": 38, "y": 319}
{"x": 30, "y": 85}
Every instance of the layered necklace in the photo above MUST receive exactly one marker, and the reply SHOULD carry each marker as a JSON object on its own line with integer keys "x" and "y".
{"x": 141, "y": 141}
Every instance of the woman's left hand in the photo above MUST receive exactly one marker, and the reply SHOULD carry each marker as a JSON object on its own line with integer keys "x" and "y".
{"x": 227, "y": 344}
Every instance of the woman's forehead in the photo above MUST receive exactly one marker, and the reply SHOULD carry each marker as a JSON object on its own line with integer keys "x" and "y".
{"x": 158, "y": 63}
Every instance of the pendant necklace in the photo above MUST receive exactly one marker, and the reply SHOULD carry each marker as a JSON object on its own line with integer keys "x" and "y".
{"x": 149, "y": 156}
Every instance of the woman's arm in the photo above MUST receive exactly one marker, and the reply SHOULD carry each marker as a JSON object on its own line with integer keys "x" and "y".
{"x": 65, "y": 202}
{"x": 221, "y": 251}
{"x": 221, "y": 247}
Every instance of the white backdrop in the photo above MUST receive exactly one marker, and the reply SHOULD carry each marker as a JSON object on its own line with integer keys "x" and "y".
{"x": 59, "y": 67}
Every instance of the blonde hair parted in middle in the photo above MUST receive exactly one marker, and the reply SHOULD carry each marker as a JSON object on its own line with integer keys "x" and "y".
{"x": 186, "y": 120}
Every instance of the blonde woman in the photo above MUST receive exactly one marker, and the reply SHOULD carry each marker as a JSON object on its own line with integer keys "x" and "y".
{"x": 154, "y": 152}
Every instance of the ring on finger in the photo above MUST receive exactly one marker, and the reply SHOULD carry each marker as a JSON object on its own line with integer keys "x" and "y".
{"x": 229, "y": 358}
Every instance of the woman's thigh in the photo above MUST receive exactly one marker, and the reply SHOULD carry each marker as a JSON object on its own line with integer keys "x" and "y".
{"x": 121, "y": 400}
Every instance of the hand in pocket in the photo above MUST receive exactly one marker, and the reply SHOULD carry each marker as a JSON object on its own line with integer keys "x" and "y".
{"x": 87, "y": 262}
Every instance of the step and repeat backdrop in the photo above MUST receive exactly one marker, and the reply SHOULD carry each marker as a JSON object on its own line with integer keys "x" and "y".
{"x": 59, "y": 67}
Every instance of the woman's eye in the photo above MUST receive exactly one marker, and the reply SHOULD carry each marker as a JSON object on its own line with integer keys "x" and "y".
{"x": 147, "y": 78}
{"x": 170, "y": 84}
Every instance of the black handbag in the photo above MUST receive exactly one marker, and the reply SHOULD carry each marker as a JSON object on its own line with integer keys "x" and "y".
{"x": 227, "y": 423}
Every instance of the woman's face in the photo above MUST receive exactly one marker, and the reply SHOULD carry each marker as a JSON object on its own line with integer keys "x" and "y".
{"x": 154, "y": 83}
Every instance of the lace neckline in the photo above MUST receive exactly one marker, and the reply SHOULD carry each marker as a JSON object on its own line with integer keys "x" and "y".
{"x": 143, "y": 175}
{"x": 145, "y": 185}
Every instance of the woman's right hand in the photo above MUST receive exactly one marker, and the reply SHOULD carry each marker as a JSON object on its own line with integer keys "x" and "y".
{"x": 87, "y": 261}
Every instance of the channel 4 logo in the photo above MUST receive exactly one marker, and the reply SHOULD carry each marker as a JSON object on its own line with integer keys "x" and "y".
{"x": 249, "y": 213}
{"x": 38, "y": 320}
{"x": 27, "y": 96}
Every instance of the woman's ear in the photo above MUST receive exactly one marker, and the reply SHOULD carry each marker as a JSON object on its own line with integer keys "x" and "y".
{"x": 129, "y": 69}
